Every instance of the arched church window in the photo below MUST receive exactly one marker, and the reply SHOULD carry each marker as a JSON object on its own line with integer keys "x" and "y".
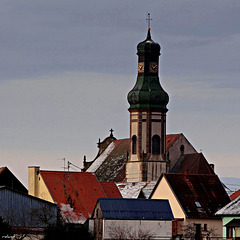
{"x": 155, "y": 144}
{"x": 134, "y": 144}
{"x": 182, "y": 149}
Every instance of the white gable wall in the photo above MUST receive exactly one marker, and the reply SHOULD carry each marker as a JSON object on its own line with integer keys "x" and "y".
{"x": 158, "y": 229}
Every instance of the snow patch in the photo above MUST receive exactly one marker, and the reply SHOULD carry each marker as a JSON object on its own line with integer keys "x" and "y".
{"x": 232, "y": 208}
{"x": 69, "y": 215}
{"x": 98, "y": 162}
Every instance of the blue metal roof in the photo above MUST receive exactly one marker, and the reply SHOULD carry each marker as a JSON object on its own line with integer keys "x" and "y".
{"x": 124, "y": 208}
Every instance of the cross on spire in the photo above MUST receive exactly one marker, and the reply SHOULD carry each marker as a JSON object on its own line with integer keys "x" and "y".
{"x": 148, "y": 20}
{"x": 111, "y": 130}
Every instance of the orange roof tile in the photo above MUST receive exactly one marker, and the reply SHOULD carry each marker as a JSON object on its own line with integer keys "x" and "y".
{"x": 111, "y": 190}
{"x": 235, "y": 195}
{"x": 75, "y": 191}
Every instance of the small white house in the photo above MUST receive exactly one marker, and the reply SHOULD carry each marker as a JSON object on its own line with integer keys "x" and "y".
{"x": 131, "y": 219}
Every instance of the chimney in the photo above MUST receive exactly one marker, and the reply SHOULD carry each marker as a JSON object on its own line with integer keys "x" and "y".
{"x": 212, "y": 166}
{"x": 33, "y": 173}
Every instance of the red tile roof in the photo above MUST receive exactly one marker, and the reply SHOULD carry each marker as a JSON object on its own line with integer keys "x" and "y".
{"x": 170, "y": 139}
{"x": 78, "y": 190}
{"x": 235, "y": 194}
{"x": 111, "y": 189}
{"x": 200, "y": 195}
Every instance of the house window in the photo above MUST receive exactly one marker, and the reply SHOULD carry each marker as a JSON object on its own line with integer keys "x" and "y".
{"x": 205, "y": 227}
{"x": 134, "y": 144}
{"x": 155, "y": 144}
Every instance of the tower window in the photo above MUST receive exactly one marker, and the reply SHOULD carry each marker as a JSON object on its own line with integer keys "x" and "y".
{"x": 155, "y": 144}
{"x": 134, "y": 144}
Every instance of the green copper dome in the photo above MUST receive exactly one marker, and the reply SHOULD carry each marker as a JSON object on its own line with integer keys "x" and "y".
{"x": 148, "y": 92}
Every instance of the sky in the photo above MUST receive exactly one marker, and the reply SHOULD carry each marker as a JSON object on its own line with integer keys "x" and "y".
{"x": 66, "y": 67}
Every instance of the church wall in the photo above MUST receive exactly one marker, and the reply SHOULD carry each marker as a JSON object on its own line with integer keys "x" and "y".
{"x": 133, "y": 172}
{"x": 174, "y": 152}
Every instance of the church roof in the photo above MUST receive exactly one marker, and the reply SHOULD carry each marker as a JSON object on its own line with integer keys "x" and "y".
{"x": 195, "y": 163}
{"x": 110, "y": 165}
{"x": 77, "y": 192}
{"x": 200, "y": 195}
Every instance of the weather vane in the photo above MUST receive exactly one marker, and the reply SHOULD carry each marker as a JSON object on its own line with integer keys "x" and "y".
{"x": 148, "y": 20}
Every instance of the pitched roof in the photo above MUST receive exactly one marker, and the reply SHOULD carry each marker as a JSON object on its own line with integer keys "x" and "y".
{"x": 8, "y": 179}
{"x": 135, "y": 189}
{"x": 111, "y": 189}
{"x": 200, "y": 195}
{"x": 110, "y": 165}
{"x": 235, "y": 194}
{"x": 170, "y": 139}
{"x": 195, "y": 163}
{"x": 232, "y": 208}
{"x": 135, "y": 209}
{"x": 77, "y": 192}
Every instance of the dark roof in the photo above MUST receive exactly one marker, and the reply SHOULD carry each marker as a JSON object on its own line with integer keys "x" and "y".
{"x": 233, "y": 223}
{"x": 113, "y": 166}
{"x": 200, "y": 195}
{"x": 125, "y": 208}
{"x": 8, "y": 179}
{"x": 80, "y": 190}
{"x": 195, "y": 163}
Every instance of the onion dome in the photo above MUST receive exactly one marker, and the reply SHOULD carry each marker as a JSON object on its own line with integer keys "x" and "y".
{"x": 148, "y": 92}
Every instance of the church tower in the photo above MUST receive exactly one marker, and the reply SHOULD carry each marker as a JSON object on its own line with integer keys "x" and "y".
{"x": 148, "y": 107}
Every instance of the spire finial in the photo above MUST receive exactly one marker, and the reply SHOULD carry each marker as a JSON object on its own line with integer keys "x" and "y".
{"x": 148, "y": 20}
{"x": 111, "y": 130}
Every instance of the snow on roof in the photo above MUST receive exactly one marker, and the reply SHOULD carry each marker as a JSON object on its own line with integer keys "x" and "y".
{"x": 232, "y": 208}
{"x": 131, "y": 190}
{"x": 97, "y": 163}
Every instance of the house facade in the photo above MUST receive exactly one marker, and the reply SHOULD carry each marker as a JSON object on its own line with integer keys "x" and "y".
{"x": 194, "y": 200}
{"x": 231, "y": 219}
{"x": 131, "y": 219}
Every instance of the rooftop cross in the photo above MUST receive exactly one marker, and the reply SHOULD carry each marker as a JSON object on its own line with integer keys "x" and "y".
{"x": 148, "y": 20}
{"x": 111, "y": 130}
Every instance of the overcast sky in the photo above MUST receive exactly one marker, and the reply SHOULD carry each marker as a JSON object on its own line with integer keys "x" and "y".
{"x": 66, "y": 67}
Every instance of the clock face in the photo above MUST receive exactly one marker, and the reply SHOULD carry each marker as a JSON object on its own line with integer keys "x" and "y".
{"x": 153, "y": 67}
{"x": 141, "y": 67}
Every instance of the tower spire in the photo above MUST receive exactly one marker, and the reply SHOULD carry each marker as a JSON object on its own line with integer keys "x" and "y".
{"x": 148, "y": 20}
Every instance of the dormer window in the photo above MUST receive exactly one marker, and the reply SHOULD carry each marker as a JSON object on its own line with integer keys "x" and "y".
{"x": 198, "y": 205}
